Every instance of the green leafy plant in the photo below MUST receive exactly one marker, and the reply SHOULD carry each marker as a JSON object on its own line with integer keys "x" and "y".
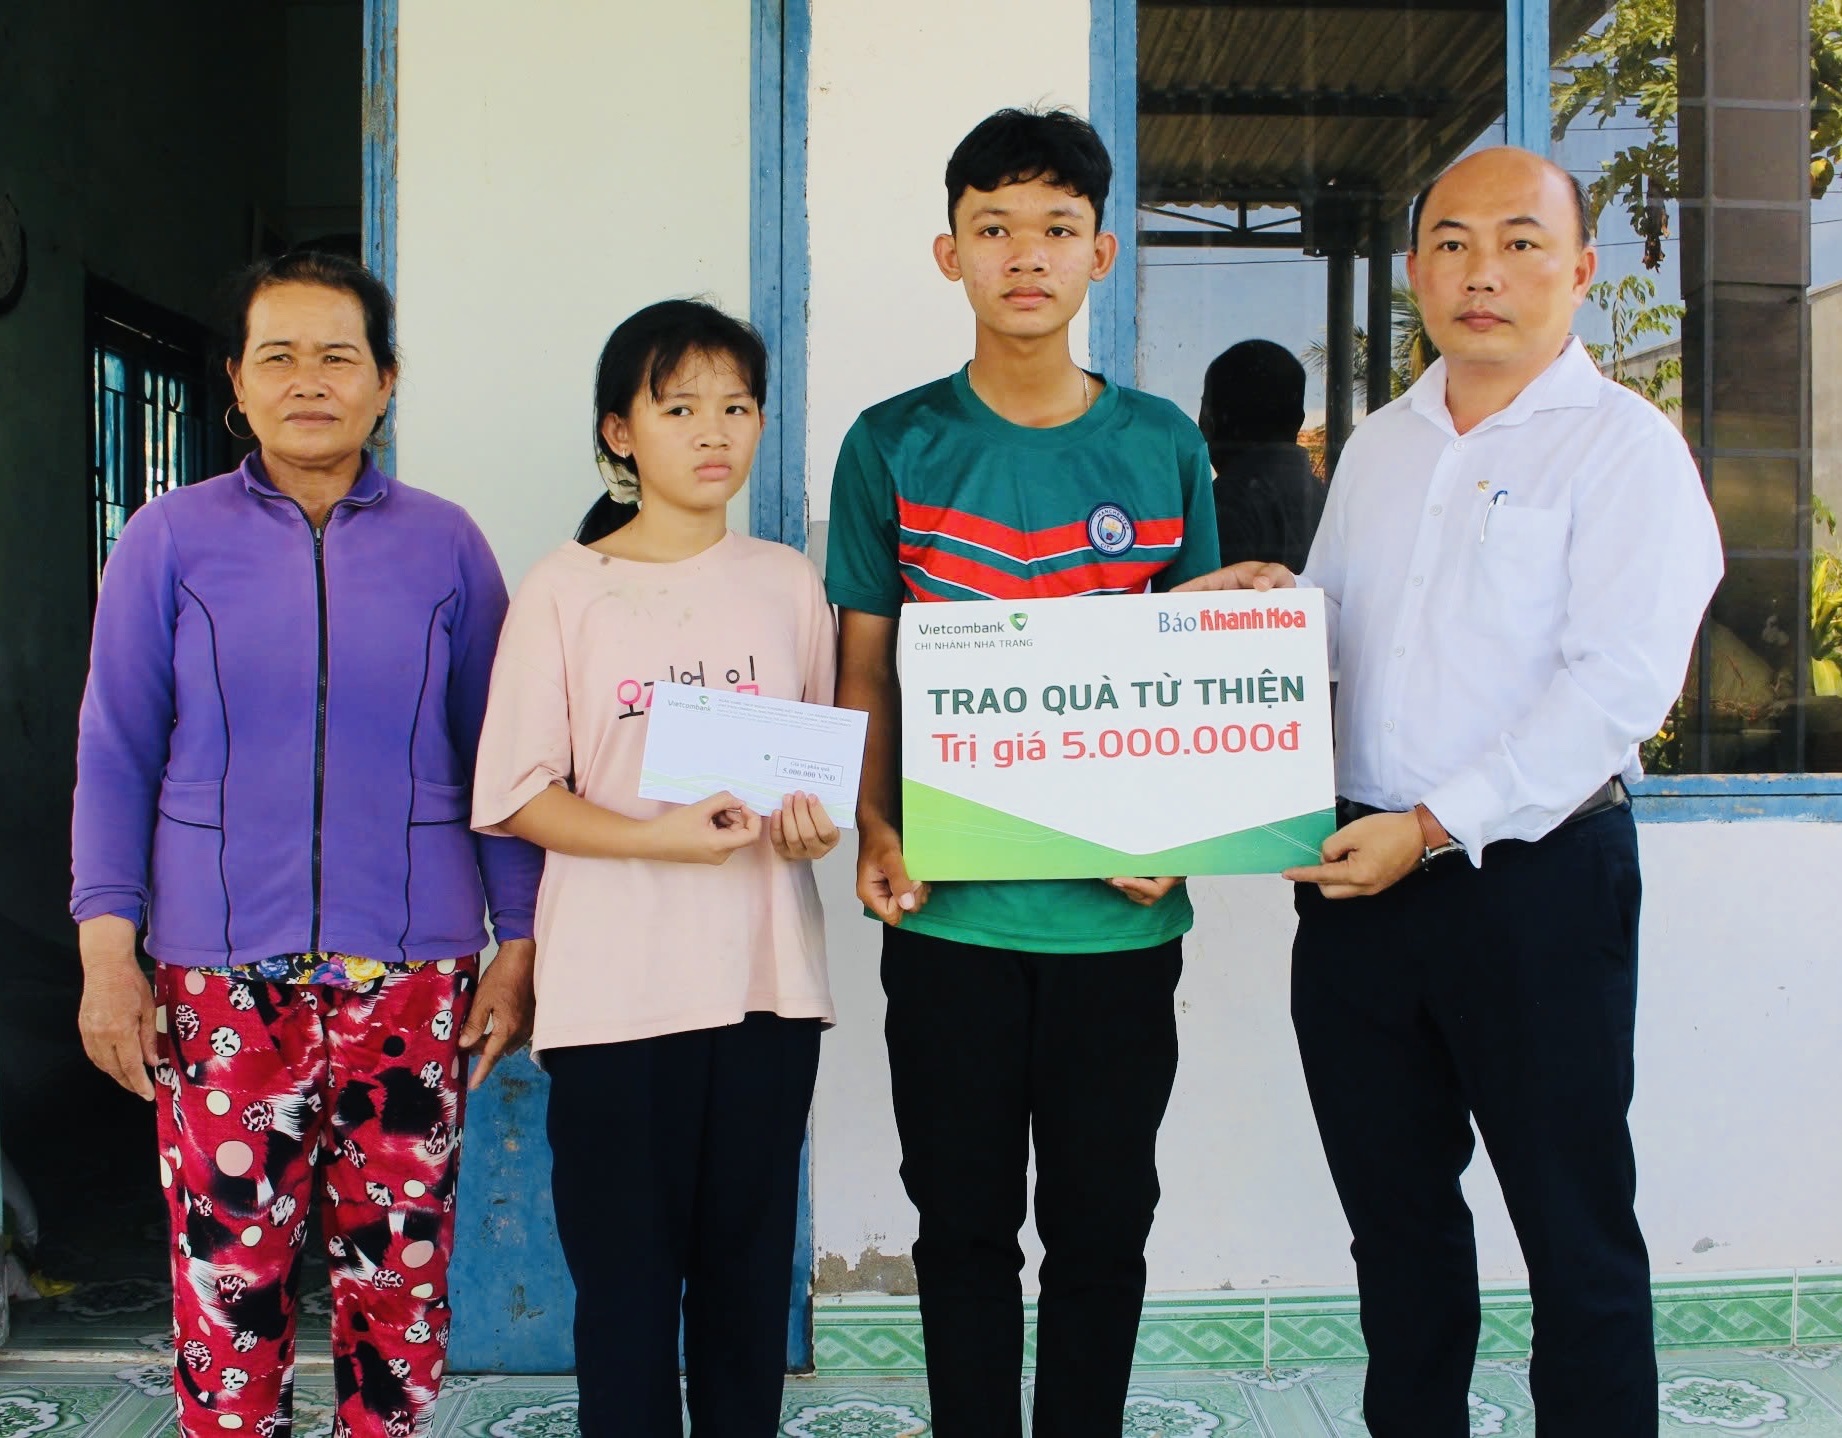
{"x": 1826, "y": 609}
{"x": 1631, "y": 303}
{"x": 1661, "y": 753}
{"x": 1630, "y": 60}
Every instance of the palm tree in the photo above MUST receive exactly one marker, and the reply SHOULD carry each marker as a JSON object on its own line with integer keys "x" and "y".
{"x": 1413, "y": 349}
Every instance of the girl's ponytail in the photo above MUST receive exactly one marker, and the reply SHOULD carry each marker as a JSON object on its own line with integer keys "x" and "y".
{"x": 604, "y": 516}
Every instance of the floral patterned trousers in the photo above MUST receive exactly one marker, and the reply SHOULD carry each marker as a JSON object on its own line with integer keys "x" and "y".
{"x": 270, "y": 1086}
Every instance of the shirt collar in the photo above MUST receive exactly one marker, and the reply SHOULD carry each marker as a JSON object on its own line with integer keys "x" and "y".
{"x": 1572, "y": 381}
{"x": 371, "y": 485}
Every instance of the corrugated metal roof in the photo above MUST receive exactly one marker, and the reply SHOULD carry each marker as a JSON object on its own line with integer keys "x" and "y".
{"x": 1270, "y": 100}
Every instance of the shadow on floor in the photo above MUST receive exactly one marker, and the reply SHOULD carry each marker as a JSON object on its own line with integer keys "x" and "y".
{"x": 86, "y": 1150}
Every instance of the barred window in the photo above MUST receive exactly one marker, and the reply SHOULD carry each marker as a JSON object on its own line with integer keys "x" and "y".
{"x": 148, "y": 403}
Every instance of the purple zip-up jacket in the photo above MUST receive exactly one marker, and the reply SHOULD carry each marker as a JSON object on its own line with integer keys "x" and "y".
{"x": 277, "y": 738}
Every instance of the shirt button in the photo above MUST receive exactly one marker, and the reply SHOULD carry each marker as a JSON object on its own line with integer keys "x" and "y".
{"x": 1438, "y": 509}
{"x": 1418, "y": 580}
{"x": 1388, "y": 726}
{"x": 1395, "y": 799}
{"x": 1399, "y": 650}
{"x": 1458, "y": 444}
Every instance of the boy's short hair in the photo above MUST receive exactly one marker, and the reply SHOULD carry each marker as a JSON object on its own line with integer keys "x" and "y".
{"x": 1016, "y": 146}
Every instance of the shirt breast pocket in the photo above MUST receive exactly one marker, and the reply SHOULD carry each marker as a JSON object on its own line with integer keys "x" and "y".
{"x": 1517, "y": 586}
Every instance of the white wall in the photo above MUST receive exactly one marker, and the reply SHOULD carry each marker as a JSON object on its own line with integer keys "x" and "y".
{"x": 559, "y": 166}
{"x": 1737, "y": 1087}
{"x": 893, "y": 90}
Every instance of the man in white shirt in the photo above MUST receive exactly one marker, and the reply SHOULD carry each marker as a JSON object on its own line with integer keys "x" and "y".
{"x": 1516, "y": 555}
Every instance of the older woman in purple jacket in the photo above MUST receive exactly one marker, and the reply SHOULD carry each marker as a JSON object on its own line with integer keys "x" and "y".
{"x": 286, "y": 685}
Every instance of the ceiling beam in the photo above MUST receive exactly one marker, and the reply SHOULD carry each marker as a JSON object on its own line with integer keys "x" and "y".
{"x": 1292, "y": 239}
{"x": 1309, "y": 104}
{"x": 1399, "y": 7}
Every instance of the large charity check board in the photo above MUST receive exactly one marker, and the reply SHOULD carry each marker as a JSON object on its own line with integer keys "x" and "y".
{"x": 1115, "y": 735}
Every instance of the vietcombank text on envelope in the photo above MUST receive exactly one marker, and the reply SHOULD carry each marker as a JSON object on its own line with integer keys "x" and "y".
{"x": 701, "y": 742}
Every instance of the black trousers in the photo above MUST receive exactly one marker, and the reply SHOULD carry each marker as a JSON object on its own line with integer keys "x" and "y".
{"x": 1508, "y": 994}
{"x": 988, "y": 1047}
{"x": 676, "y": 1177}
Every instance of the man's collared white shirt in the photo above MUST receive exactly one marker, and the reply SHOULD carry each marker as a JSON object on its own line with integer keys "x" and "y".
{"x": 1512, "y": 609}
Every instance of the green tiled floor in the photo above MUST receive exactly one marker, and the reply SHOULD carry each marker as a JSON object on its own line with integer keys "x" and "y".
{"x": 1794, "y": 1393}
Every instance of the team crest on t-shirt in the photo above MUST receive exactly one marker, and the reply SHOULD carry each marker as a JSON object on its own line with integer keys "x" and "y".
{"x": 1110, "y": 529}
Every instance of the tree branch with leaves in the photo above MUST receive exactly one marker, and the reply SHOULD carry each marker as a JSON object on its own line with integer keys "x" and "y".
{"x": 1627, "y": 65}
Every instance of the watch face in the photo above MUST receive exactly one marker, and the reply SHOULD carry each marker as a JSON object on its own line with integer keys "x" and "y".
{"x": 12, "y": 254}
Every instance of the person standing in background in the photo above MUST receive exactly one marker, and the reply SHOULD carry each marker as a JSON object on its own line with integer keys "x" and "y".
{"x": 1268, "y": 499}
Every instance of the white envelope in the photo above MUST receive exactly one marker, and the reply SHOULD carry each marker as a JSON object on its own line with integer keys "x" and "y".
{"x": 701, "y": 742}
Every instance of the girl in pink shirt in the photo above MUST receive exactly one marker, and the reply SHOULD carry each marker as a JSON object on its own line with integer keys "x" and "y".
{"x": 680, "y": 976}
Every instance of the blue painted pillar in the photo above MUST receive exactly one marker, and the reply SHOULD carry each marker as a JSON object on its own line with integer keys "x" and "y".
{"x": 1529, "y": 117}
{"x": 513, "y": 1301}
{"x": 1113, "y": 108}
{"x": 514, "y": 1304}
{"x": 780, "y": 261}
{"x": 380, "y": 164}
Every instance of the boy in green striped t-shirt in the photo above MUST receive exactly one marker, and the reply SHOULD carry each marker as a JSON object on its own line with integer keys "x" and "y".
{"x": 1019, "y": 1008}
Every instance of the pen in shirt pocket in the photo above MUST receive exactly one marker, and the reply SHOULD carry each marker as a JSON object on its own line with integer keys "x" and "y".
{"x": 1489, "y": 509}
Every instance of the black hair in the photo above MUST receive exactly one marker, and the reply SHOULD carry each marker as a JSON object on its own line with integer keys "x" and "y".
{"x": 1252, "y": 393}
{"x": 312, "y": 267}
{"x": 1015, "y": 146}
{"x": 644, "y": 352}
{"x": 1582, "y": 207}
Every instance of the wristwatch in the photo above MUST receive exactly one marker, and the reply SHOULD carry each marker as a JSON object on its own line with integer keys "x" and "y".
{"x": 1433, "y": 851}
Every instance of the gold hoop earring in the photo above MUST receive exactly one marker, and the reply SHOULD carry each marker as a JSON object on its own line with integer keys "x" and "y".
{"x": 230, "y": 409}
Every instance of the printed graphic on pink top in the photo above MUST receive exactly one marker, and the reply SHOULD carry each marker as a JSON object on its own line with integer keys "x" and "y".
{"x": 635, "y": 695}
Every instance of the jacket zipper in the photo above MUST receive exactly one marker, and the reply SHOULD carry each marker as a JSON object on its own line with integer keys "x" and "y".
{"x": 319, "y": 722}
{"x": 319, "y": 729}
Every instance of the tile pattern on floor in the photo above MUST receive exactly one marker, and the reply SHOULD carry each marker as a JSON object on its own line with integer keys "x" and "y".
{"x": 1793, "y": 1393}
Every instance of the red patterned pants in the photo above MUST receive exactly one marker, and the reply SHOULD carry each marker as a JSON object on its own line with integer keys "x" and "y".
{"x": 271, "y": 1085}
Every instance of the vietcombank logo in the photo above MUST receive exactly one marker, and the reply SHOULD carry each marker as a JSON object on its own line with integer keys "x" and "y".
{"x": 1018, "y": 621}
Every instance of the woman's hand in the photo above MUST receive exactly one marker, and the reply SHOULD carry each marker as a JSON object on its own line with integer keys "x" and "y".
{"x": 116, "y": 1017}
{"x": 801, "y": 829}
{"x": 504, "y": 1007}
{"x": 706, "y": 832}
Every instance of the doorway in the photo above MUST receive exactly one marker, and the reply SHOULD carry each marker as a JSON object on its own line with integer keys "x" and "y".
{"x": 153, "y": 151}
